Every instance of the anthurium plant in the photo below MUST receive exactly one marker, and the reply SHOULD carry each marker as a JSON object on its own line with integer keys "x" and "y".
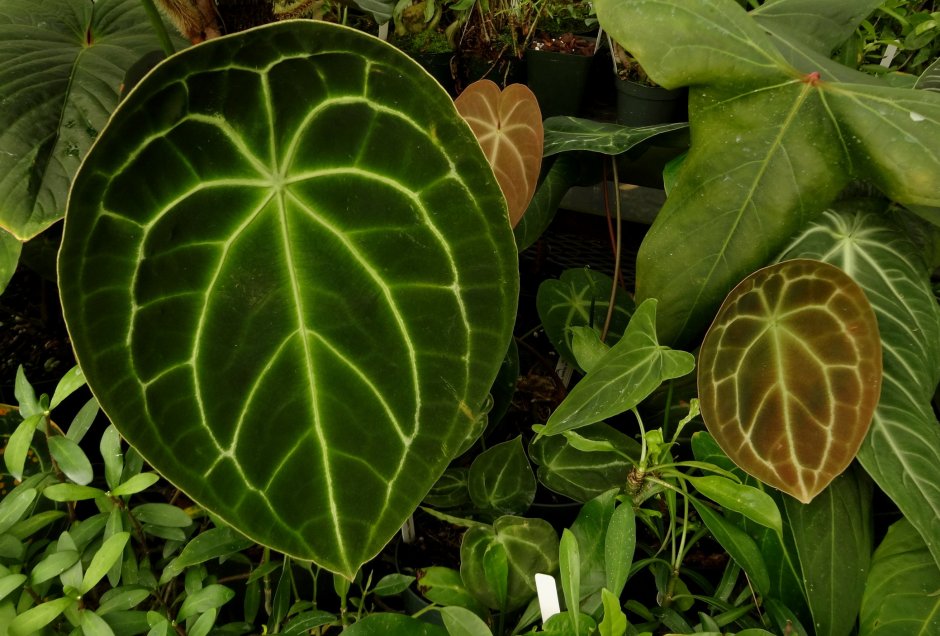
{"x": 289, "y": 272}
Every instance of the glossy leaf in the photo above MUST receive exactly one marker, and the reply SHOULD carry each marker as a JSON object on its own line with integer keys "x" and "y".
{"x": 14, "y": 505}
{"x": 462, "y": 622}
{"x": 630, "y": 371}
{"x": 208, "y": 598}
{"x": 10, "y": 248}
{"x": 106, "y": 555}
{"x": 615, "y": 621}
{"x": 739, "y": 546}
{"x": 214, "y": 543}
{"x": 300, "y": 296}
{"x": 71, "y": 459}
{"x": 741, "y": 498}
{"x": 590, "y": 528}
{"x": 569, "y": 569}
{"x": 774, "y": 143}
{"x": 583, "y": 475}
{"x": 790, "y": 374}
{"x": 833, "y": 537}
{"x": 19, "y": 443}
{"x": 444, "y": 586}
{"x": 501, "y": 480}
{"x": 619, "y": 547}
{"x": 580, "y": 298}
{"x": 902, "y": 450}
{"x": 565, "y": 134}
{"x": 901, "y": 590}
{"x": 73, "y": 380}
{"x": 61, "y": 67}
{"x": 530, "y": 545}
{"x": 508, "y": 125}
{"x": 34, "y": 619}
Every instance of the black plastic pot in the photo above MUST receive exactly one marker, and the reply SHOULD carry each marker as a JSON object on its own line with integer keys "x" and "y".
{"x": 558, "y": 80}
{"x": 642, "y": 105}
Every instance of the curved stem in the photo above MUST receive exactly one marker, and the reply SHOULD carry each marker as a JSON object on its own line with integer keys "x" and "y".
{"x": 617, "y": 252}
{"x": 156, "y": 21}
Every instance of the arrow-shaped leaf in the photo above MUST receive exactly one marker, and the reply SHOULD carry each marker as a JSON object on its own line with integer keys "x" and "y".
{"x": 628, "y": 373}
{"x": 564, "y": 134}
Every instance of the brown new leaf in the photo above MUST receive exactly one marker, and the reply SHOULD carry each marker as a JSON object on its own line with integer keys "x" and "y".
{"x": 508, "y": 125}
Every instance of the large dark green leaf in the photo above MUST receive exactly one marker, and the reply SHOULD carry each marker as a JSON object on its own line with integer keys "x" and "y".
{"x": 790, "y": 373}
{"x": 299, "y": 315}
{"x": 901, "y": 591}
{"x": 61, "y": 67}
{"x": 501, "y": 480}
{"x": 833, "y": 537}
{"x": 902, "y": 450}
{"x": 772, "y": 145}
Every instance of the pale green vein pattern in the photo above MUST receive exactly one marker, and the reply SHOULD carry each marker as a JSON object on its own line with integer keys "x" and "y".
{"x": 902, "y": 450}
{"x": 297, "y": 315}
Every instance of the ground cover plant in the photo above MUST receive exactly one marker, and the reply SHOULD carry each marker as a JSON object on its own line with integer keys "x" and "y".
{"x": 299, "y": 333}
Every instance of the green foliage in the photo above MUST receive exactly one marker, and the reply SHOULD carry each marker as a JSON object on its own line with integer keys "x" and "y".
{"x": 283, "y": 207}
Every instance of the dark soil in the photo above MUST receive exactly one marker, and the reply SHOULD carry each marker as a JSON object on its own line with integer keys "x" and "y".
{"x": 32, "y": 334}
{"x": 566, "y": 43}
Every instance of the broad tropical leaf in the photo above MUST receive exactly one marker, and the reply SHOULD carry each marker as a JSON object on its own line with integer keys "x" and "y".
{"x": 508, "y": 125}
{"x": 833, "y": 537}
{"x": 564, "y": 134}
{"x": 902, "y": 450}
{"x": 627, "y": 374}
{"x": 901, "y": 590}
{"x": 774, "y": 142}
{"x": 299, "y": 316}
{"x": 61, "y": 67}
{"x": 580, "y": 298}
{"x": 823, "y": 26}
{"x": 790, "y": 373}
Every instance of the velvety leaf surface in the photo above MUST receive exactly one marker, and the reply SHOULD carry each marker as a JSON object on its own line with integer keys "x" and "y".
{"x": 772, "y": 145}
{"x": 530, "y": 547}
{"x": 299, "y": 316}
{"x": 901, "y": 590}
{"x": 583, "y": 475}
{"x": 627, "y": 374}
{"x": 61, "y": 67}
{"x": 580, "y": 298}
{"x": 833, "y": 537}
{"x": 902, "y": 450}
{"x": 790, "y": 373}
{"x": 508, "y": 124}
{"x": 501, "y": 479}
{"x": 564, "y": 134}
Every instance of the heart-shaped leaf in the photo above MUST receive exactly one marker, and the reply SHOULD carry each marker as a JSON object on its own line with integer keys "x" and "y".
{"x": 902, "y": 450}
{"x": 61, "y": 67}
{"x": 580, "y": 298}
{"x": 501, "y": 479}
{"x": 583, "y": 475}
{"x": 296, "y": 318}
{"x": 508, "y": 124}
{"x": 775, "y": 139}
{"x": 627, "y": 374}
{"x": 530, "y": 547}
{"x": 790, "y": 373}
{"x": 563, "y": 134}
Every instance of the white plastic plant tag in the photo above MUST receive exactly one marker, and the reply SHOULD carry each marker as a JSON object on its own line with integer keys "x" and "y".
{"x": 548, "y": 596}
{"x": 408, "y": 530}
{"x": 564, "y": 371}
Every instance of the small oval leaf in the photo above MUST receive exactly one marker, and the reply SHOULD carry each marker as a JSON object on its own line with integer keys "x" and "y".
{"x": 790, "y": 374}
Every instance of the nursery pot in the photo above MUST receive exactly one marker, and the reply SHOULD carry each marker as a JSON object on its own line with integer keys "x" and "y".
{"x": 642, "y": 105}
{"x": 558, "y": 80}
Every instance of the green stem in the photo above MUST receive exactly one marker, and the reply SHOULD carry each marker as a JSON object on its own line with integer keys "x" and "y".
{"x": 617, "y": 251}
{"x": 156, "y": 21}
